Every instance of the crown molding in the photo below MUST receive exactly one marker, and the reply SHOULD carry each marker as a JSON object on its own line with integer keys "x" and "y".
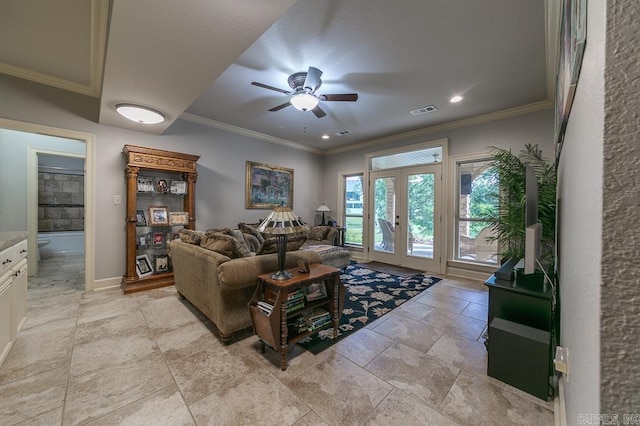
{"x": 98, "y": 37}
{"x": 246, "y": 132}
{"x": 478, "y": 119}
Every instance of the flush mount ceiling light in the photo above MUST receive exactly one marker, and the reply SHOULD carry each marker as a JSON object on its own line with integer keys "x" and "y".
{"x": 304, "y": 101}
{"x": 455, "y": 99}
{"x": 325, "y": 136}
{"x": 140, "y": 114}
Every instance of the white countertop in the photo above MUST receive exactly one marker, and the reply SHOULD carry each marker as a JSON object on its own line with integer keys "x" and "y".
{"x": 9, "y": 238}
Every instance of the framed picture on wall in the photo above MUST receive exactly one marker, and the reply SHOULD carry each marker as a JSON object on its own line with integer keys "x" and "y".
{"x": 144, "y": 241}
{"x": 268, "y": 187}
{"x": 573, "y": 38}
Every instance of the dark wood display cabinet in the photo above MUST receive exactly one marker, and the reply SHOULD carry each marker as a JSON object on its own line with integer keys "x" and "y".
{"x": 161, "y": 194}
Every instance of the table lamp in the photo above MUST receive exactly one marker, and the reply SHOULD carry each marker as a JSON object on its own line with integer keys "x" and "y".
{"x": 280, "y": 223}
{"x": 323, "y": 209}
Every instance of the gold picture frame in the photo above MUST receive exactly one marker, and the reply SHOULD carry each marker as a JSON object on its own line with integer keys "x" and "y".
{"x": 158, "y": 216}
{"x": 268, "y": 186}
{"x": 178, "y": 218}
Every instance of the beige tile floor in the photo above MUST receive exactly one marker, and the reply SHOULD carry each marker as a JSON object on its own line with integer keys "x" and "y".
{"x": 104, "y": 358}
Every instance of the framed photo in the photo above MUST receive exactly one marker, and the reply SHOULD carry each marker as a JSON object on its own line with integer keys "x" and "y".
{"x": 144, "y": 241}
{"x": 143, "y": 266}
{"x": 141, "y": 220}
{"x": 268, "y": 186}
{"x": 146, "y": 184}
{"x": 158, "y": 239}
{"x": 161, "y": 263}
{"x": 573, "y": 31}
{"x": 178, "y": 218}
{"x": 162, "y": 187}
{"x": 178, "y": 187}
{"x": 158, "y": 216}
{"x": 316, "y": 291}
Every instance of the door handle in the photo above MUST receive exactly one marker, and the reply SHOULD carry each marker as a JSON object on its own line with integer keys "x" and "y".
{"x": 397, "y": 223}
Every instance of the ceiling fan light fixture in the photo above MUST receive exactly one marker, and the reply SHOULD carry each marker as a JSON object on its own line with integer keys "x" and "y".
{"x": 140, "y": 114}
{"x": 304, "y": 101}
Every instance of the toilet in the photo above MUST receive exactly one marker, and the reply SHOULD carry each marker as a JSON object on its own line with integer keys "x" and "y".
{"x": 41, "y": 243}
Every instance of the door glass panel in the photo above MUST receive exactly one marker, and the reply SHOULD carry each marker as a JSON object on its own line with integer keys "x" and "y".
{"x": 384, "y": 206}
{"x": 421, "y": 214}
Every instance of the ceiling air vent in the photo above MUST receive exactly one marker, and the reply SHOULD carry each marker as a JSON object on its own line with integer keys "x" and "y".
{"x": 343, "y": 132}
{"x": 423, "y": 110}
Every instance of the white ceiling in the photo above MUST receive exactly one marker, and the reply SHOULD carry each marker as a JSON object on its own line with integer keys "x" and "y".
{"x": 196, "y": 59}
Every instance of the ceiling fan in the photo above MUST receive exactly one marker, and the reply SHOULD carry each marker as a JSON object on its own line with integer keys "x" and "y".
{"x": 303, "y": 96}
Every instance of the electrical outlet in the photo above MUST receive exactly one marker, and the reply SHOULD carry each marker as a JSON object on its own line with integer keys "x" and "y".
{"x": 561, "y": 361}
{"x": 117, "y": 199}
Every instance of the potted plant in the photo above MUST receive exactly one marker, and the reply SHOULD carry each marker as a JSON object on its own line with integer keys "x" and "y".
{"x": 508, "y": 221}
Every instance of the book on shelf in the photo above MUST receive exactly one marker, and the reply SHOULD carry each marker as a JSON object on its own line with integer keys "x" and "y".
{"x": 294, "y": 295}
{"x": 319, "y": 324}
{"x": 316, "y": 317}
{"x": 295, "y": 307}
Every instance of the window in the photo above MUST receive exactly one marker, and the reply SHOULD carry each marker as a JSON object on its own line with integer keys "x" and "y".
{"x": 353, "y": 209}
{"x": 477, "y": 196}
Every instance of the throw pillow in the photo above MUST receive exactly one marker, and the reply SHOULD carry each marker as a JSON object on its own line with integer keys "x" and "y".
{"x": 221, "y": 243}
{"x": 244, "y": 248}
{"x": 294, "y": 242}
{"x": 268, "y": 246}
{"x": 251, "y": 230}
{"x": 191, "y": 237}
{"x": 225, "y": 231}
{"x": 318, "y": 233}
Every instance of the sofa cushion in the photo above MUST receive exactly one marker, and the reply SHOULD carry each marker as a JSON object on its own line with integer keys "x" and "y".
{"x": 191, "y": 237}
{"x": 318, "y": 233}
{"x": 221, "y": 243}
{"x": 248, "y": 229}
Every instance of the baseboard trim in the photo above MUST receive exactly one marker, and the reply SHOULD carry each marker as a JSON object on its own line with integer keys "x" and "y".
{"x": 559, "y": 414}
{"x": 106, "y": 284}
{"x": 453, "y": 271}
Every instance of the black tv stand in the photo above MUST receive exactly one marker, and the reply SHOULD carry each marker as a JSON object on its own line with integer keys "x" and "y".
{"x": 520, "y": 336}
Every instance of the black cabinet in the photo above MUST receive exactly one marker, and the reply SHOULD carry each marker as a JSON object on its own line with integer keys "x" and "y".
{"x": 521, "y": 334}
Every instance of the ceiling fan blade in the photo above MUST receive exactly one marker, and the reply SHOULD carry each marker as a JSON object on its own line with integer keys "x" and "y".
{"x": 318, "y": 112}
{"x": 346, "y": 97}
{"x": 279, "y": 107}
{"x": 266, "y": 86}
{"x": 312, "y": 81}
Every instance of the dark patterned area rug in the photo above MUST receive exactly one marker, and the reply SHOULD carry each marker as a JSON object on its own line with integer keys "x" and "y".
{"x": 400, "y": 271}
{"x": 369, "y": 295}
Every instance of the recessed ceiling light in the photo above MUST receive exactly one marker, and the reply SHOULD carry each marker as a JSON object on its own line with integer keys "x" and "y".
{"x": 325, "y": 136}
{"x": 455, "y": 99}
{"x": 140, "y": 114}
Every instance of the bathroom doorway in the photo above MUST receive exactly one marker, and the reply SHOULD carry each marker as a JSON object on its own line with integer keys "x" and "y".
{"x": 61, "y": 215}
{"x": 20, "y": 144}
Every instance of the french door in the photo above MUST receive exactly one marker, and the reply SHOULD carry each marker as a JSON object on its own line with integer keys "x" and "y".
{"x": 405, "y": 226}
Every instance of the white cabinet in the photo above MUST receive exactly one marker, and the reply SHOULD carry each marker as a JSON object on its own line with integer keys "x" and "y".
{"x": 13, "y": 295}
{"x": 6, "y": 314}
{"x": 19, "y": 298}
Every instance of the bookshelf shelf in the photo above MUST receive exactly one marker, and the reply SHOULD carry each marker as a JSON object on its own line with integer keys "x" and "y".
{"x": 278, "y": 328}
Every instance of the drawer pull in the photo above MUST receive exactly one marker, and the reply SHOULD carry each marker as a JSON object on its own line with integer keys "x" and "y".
{"x": 6, "y": 261}
{"x": 23, "y": 251}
